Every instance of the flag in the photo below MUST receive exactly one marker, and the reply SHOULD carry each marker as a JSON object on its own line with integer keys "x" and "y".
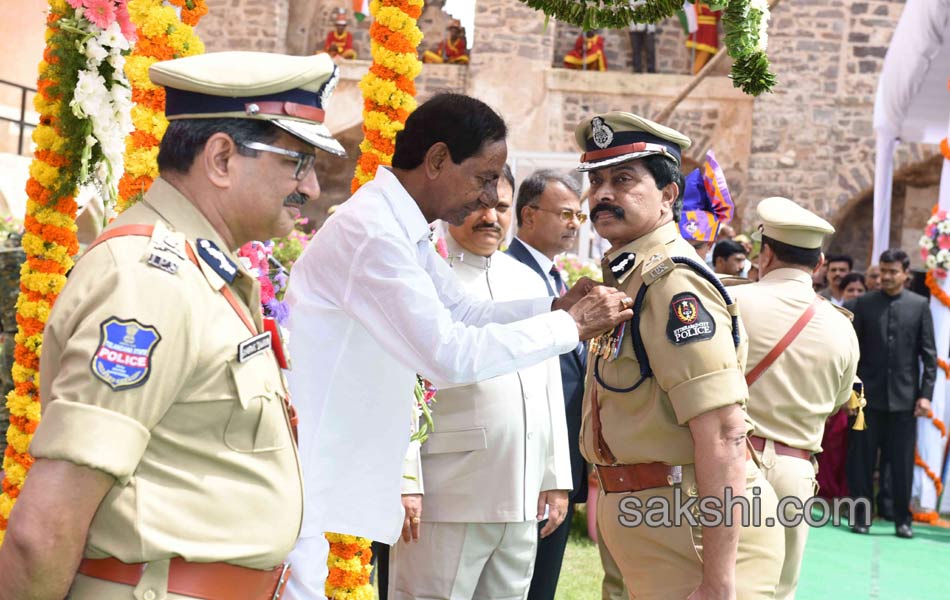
{"x": 360, "y": 9}
{"x": 687, "y": 18}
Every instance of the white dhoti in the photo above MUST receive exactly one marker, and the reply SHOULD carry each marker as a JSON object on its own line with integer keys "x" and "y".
{"x": 308, "y": 569}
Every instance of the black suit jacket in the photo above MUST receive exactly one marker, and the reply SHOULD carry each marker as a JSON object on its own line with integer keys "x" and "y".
{"x": 573, "y": 368}
{"x": 896, "y": 337}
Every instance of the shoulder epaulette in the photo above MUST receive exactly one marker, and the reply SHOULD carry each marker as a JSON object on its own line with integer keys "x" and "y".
{"x": 657, "y": 264}
{"x": 847, "y": 313}
{"x": 165, "y": 249}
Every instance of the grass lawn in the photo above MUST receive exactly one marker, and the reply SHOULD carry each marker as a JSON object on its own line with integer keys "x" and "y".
{"x": 581, "y": 572}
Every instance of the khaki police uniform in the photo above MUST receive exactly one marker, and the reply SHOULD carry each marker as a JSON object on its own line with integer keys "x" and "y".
{"x": 811, "y": 379}
{"x": 687, "y": 329}
{"x": 157, "y": 370}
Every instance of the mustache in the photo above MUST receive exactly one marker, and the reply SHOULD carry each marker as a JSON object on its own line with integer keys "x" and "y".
{"x": 295, "y": 199}
{"x": 489, "y": 227}
{"x": 608, "y": 208}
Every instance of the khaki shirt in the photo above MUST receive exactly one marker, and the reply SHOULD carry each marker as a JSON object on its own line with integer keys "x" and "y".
{"x": 791, "y": 400}
{"x": 695, "y": 370}
{"x": 140, "y": 378}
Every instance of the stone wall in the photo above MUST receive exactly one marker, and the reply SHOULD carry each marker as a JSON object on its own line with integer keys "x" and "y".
{"x": 245, "y": 25}
{"x": 813, "y": 137}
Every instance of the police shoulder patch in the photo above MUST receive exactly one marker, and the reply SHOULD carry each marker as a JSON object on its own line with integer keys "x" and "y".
{"x": 657, "y": 264}
{"x": 123, "y": 358}
{"x": 689, "y": 321}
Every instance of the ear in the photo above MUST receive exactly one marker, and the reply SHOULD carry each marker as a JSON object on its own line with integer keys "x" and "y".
{"x": 216, "y": 159}
{"x": 436, "y": 159}
{"x": 670, "y": 193}
{"x": 527, "y": 217}
{"x": 821, "y": 263}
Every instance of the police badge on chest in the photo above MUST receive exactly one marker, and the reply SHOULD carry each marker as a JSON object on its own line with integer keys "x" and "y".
{"x": 689, "y": 320}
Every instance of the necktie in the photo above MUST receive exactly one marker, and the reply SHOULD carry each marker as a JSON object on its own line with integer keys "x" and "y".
{"x": 559, "y": 286}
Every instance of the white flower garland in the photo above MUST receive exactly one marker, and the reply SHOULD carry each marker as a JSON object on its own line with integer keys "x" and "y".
{"x": 106, "y": 104}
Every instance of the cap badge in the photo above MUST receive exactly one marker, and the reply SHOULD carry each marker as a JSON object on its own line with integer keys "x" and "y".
{"x": 327, "y": 89}
{"x": 602, "y": 133}
{"x": 252, "y": 109}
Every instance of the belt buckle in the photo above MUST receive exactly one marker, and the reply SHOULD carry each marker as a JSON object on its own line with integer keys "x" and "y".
{"x": 676, "y": 476}
{"x": 281, "y": 581}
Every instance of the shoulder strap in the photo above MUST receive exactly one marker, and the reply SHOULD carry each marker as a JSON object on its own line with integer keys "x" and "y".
{"x": 783, "y": 343}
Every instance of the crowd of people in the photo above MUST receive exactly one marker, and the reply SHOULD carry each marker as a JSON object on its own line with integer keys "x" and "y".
{"x": 169, "y": 460}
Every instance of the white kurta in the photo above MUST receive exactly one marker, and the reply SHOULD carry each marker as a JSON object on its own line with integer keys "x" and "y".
{"x": 372, "y": 304}
{"x": 497, "y": 443}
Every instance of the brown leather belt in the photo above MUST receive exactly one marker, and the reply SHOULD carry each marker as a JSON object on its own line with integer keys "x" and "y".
{"x": 634, "y": 478}
{"x": 759, "y": 444}
{"x": 622, "y": 479}
{"x": 211, "y": 581}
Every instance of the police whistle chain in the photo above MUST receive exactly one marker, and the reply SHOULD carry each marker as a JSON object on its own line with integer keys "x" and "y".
{"x": 639, "y": 350}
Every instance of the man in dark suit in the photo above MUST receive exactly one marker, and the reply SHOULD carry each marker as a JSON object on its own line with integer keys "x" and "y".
{"x": 896, "y": 337}
{"x": 549, "y": 217}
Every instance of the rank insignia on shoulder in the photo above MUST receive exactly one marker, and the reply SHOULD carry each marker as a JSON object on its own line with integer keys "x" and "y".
{"x": 166, "y": 249}
{"x": 657, "y": 265}
{"x": 217, "y": 260}
{"x": 622, "y": 263}
{"x": 689, "y": 320}
{"x": 123, "y": 358}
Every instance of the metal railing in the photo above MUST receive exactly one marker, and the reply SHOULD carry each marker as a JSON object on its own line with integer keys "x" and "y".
{"x": 21, "y": 122}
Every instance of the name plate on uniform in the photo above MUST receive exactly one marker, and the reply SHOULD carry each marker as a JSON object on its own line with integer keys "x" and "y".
{"x": 251, "y": 347}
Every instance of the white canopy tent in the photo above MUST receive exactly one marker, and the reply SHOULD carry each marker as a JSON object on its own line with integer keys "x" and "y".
{"x": 913, "y": 105}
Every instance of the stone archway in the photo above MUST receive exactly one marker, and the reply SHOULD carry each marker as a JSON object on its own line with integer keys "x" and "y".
{"x": 914, "y": 195}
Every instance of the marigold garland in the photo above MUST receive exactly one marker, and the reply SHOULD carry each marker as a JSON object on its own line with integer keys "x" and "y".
{"x": 388, "y": 88}
{"x": 349, "y": 568}
{"x": 162, "y": 35}
{"x": 49, "y": 238}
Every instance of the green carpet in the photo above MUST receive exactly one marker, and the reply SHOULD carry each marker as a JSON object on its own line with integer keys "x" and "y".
{"x": 842, "y": 565}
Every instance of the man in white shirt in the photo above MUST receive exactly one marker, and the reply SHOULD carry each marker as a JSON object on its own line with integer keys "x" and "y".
{"x": 372, "y": 304}
{"x": 497, "y": 459}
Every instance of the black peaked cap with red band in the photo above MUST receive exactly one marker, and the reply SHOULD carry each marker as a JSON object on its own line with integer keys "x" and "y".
{"x": 617, "y": 137}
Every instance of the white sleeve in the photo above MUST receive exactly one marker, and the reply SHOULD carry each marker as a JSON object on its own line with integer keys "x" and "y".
{"x": 396, "y": 300}
{"x": 557, "y": 473}
{"x": 473, "y": 311}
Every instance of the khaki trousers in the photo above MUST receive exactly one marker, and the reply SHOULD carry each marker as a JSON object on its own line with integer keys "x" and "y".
{"x": 463, "y": 561}
{"x": 790, "y": 476}
{"x": 665, "y": 563}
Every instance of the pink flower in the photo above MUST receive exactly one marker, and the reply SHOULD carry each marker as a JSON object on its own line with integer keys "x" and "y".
{"x": 76, "y": 4}
{"x": 943, "y": 242}
{"x": 125, "y": 21}
{"x": 100, "y": 13}
{"x": 931, "y": 230}
{"x": 940, "y": 273}
{"x": 924, "y": 253}
{"x": 441, "y": 248}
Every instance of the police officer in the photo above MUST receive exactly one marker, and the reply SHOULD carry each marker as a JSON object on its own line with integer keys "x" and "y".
{"x": 803, "y": 357}
{"x": 664, "y": 410}
{"x": 165, "y": 463}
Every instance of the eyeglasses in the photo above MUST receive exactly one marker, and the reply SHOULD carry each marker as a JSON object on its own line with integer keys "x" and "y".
{"x": 304, "y": 160}
{"x": 566, "y": 214}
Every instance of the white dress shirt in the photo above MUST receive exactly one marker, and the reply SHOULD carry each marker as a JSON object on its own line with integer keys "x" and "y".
{"x": 544, "y": 262}
{"x": 371, "y": 305}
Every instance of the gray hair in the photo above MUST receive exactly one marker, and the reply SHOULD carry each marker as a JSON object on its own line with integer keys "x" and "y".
{"x": 532, "y": 188}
